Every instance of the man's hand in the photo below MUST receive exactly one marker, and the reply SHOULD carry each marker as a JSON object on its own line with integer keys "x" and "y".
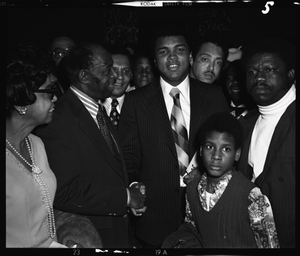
{"x": 191, "y": 175}
{"x": 138, "y": 212}
{"x": 137, "y": 196}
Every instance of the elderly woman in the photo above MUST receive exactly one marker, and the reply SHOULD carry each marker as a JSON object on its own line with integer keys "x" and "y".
{"x": 30, "y": 183}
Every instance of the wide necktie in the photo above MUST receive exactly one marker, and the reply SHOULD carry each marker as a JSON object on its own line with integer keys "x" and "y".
{"x": 179, "y": 132}
{"x": 114, "y": 114}
{"x": 107, "y": 134}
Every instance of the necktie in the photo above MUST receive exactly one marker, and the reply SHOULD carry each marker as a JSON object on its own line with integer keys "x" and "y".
{"x": 107, "y": 134}
{"x": 114, "y": 114}
{"x": 179, "y": 132}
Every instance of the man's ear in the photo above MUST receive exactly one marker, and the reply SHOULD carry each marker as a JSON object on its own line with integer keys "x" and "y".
{"x": 191, "y": 59}
{"x": 200, "y": 151}
{"x": 83, "y": 77}
{"x": 237, "y": 154}
{"x": 291, "y": 74}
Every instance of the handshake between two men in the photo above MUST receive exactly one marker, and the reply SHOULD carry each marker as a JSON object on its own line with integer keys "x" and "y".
{"x": 137, "y": 195}
{"x": 137, "y": 192}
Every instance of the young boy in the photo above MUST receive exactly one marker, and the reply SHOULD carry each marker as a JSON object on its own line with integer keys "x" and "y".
{"x": 223, "y": 208}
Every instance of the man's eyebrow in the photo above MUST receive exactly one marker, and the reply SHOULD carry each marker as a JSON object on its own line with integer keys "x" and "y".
{"x": 162, "y": 47}
{"x": 204, "y": 54}
{"x": 101, "y": 65}
{"x": 177, "y": 45}
{"x": 180, "y": 45}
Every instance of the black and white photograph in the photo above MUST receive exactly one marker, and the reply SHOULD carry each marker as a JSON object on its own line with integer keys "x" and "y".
{"x": 150, "y": 127}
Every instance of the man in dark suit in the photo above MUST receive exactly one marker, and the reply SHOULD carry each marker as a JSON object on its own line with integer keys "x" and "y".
{"x": 122, "y": 67}
{"x": 89, "y": 166}
{"x": 268, "y": 156}
{"x": 147, "y": 137}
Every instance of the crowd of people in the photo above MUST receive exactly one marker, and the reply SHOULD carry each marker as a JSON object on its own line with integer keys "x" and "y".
{"x": 182, "y": 145}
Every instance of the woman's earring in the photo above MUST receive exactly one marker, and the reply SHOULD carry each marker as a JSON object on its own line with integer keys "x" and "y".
{"x": 22, "y": 110}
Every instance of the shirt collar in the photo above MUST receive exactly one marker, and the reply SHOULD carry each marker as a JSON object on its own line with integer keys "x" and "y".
{"x": 218, "y": 191}
{"x": 221, "y": 185}
{"x": 239, "y": 106}
{"x": 183, "y": 87}
{"x": 121, "y": 99}
{"x": 84, "y": 97}
{"x": 107, "y": 101}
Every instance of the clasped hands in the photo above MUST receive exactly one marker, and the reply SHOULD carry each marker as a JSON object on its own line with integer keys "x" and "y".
{"x": 137, "y": 192}
{"x": 194, "y": 173}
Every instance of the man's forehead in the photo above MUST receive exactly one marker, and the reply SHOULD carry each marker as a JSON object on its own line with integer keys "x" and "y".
{"x": 171, "y": 40}
{"x": 121, "y": 59}
{"x": 62, "y": 42}
{"x": 265, "y": 57}
{"x": 210, "y": 48}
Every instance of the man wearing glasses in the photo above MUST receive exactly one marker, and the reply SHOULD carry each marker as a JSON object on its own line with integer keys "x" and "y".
{"x": 59, "y": 47}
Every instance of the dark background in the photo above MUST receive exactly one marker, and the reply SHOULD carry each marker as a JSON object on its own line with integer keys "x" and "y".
{"x": 240, "y": 23}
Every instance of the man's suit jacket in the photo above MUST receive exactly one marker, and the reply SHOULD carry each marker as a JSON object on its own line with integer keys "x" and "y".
{"x": 89, "y": 180}
{"x": 278, "y": 179}
{"x": 150, "y": 153}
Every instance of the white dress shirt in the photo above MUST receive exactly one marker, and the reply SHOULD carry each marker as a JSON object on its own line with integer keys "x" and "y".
{"x": 184, "y": 88}
{"x": 107, "y": 104}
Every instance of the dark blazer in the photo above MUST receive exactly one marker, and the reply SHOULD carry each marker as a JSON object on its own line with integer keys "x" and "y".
{"x": 89, "y": 180}
{"x": 278, "y": 179}
{"x": 150, "y": 153}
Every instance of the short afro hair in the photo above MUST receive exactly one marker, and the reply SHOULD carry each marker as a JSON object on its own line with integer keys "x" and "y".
{"x": 222, "y": 122}
{"x": 285, "y": 50}
{"x": 210, "y": 38}
{"x": 167, "y": 30}
{"x": 78, "y": 58}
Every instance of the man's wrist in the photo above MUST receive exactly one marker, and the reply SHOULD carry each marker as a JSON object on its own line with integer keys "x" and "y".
{"x": 128, "y": 192}
{"x": 133, "y": 183}
{"x": 128, "y": 196}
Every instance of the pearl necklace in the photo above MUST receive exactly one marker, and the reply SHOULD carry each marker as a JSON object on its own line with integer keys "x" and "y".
{"x": 42, "y": 184}
{"x": 35, "y": 169}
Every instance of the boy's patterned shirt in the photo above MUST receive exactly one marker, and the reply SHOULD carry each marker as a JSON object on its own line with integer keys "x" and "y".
{"x": 260, "y": 210}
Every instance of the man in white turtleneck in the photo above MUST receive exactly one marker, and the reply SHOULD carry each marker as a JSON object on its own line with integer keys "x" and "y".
{"x": 264, "y": 129}
{"x": 268, "y": 157}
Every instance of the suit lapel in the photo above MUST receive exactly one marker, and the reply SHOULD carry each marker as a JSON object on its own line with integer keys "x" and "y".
{"x": 285, "y": 124}
{"x": 156, "y": 110}
{"x": 91, "y": 131}
{"x": 197, "y": 97}
{"x": 118, "y": 144}
{"x": 248, "y": 127}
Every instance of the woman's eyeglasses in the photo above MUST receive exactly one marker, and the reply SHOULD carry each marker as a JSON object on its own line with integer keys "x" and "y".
{"x": 49, "y": 92}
